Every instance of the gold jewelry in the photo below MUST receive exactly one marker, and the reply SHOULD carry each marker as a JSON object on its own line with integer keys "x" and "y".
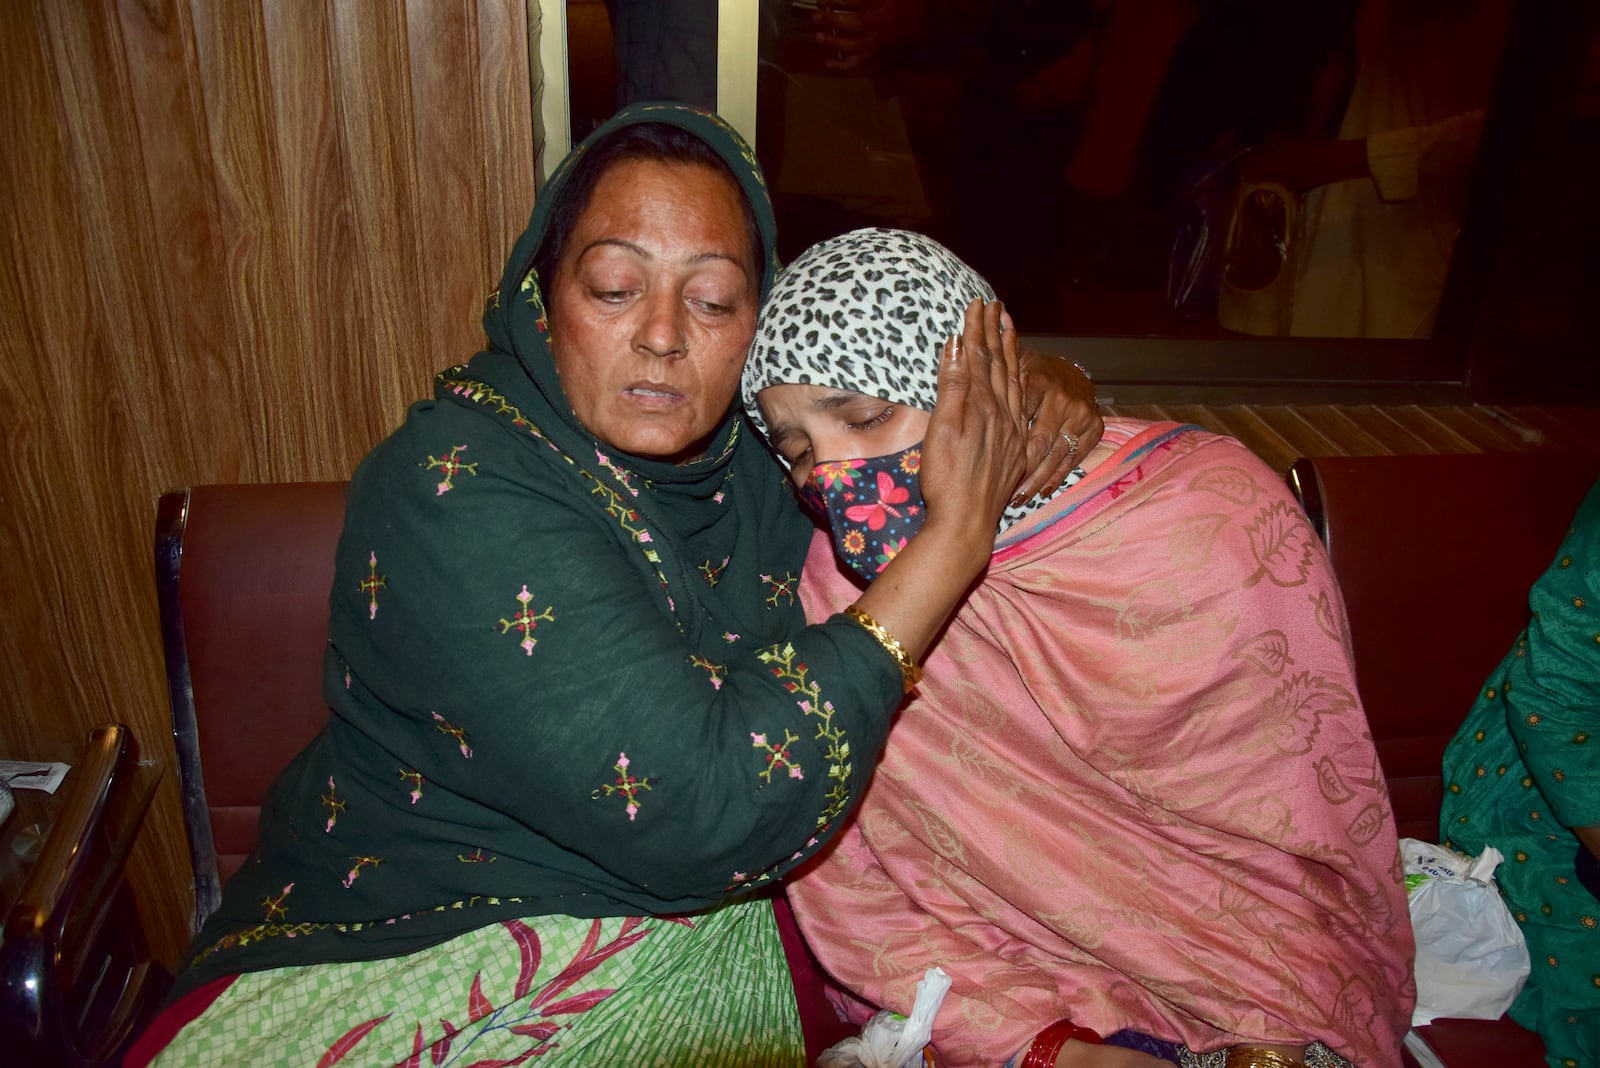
{"x": 909, "y": 671}
{"x": 1072, "y": 442}
{"x": 1255, "y": 1057}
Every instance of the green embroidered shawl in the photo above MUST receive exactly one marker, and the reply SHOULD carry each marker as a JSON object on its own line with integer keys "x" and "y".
{"x": 563, "y": 679}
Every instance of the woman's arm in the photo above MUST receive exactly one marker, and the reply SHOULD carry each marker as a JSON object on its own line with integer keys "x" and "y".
{"x": 522, "y": 658}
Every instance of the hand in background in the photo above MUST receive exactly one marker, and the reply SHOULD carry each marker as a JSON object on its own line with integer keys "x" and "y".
{"x": 1060, "y": 400}
{"x": 858, "y": 31}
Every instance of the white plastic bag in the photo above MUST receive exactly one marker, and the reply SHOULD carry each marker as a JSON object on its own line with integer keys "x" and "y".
{"x": 890, "y": 1040}
{"x": 1471, "y": 956}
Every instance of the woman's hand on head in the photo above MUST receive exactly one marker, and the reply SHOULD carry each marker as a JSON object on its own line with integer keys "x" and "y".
{"x": 1066, "y": 421}
{"x": 975, "y": 452}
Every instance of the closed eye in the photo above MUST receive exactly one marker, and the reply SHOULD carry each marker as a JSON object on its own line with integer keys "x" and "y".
{"x": 874, "y": 422}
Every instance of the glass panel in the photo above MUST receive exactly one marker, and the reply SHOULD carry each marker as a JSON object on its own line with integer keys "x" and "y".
{"x": 620, "y": 51}
{"x": 1096, "y": 179}
{"x": 1178, "y": 168}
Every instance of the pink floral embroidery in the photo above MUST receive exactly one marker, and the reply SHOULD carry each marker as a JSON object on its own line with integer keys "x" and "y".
{"x": 274, "y": 905}
{"x": 333, "y": 804}
{"x": 625, "y": 785}
{"x": 452, "y": 465}
{"x": 355, "y": 872}
{"x": 372, "y": 584}
{"x": 444, "y": 726}
{"x": 778, "y": 756}
{"x": 526, "y": 621}
{"x": 780, "y": 589}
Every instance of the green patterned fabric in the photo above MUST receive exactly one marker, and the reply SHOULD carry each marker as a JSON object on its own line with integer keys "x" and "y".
{"x": 565, "y": 681}
{"x": 1524, "y": 768}
{"x": 556, "y": 991}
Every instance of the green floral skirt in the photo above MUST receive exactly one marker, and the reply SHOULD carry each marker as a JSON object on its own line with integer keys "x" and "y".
{"x": 706, "y": 990}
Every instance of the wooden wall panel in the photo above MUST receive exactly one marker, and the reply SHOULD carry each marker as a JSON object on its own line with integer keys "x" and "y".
{"x": 241, "y": 237}
{"x": 506, "y": 87}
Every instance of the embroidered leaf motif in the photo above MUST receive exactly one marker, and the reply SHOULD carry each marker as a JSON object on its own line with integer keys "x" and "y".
{"x": 441, "y": 1048}
{"x": 1294, "y": 713}
{"x": 540, "y": 1031}
{"x": 415, "y": 1060}
{"x": 1281, "y": 540}
{"x": 1328, "y": 620}
{"x": 349, "y": 1040}
{"x": 1230, "y": 483}
{"x": 1246, "y": 909}
{"x": 589, "y": 958}
{"x": 1189, "y": 542}
{"x": 1356, "y": 1003}
{"x": 528, "y": 944}
{"x": 1331, "y": 783}
{"x": 497, "y": 1063}
{"x": 1366, "y": 826}
{"x": 580, "y": 1002}
{"x": 1268, "y": 651}
{"x": 477, "y": 1005}
{"x": 941, "y": 834}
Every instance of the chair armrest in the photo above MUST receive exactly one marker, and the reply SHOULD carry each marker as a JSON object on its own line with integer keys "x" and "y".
{"x": 60, "y": 998}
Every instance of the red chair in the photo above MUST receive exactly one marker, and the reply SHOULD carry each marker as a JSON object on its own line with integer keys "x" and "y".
{"x": 243, "y": 574}
{"x": 1435, "y": 555}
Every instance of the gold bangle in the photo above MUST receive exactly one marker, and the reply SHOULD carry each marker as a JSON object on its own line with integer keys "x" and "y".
{"x": 909, "y": 671}
{"x": 1255, "y": 1057}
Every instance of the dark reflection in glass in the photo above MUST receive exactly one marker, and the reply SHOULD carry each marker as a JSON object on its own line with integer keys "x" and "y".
{"x": 1169, "y": 168}
{"x": 1144, "y": 167}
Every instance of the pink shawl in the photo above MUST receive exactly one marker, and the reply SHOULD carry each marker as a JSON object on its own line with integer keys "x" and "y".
{"x": 1135, "y": 788}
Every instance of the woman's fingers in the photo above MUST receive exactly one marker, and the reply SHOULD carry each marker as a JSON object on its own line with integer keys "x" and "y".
{"x": 974, "y": 451}
{"x": 985, "y": 348}
{"x": 955, "y": 373}
{"x": 1047, "y": 471}
{"x": 1015, "y": 395}
{"x": 1061, "y": 401}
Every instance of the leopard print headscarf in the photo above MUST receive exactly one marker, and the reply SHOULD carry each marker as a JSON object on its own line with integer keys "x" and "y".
{"x": 869, "y": 311}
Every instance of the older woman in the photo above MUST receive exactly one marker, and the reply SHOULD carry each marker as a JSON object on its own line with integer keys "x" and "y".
{"x": 1134, "y": 791}
{"x": 577, "y": 716}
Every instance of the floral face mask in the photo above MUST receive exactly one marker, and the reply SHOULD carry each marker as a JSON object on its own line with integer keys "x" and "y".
{"x": 873, "y": 506}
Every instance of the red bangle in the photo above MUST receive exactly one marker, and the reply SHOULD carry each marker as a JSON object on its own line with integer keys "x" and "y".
{"x": 1048, "y": 1043}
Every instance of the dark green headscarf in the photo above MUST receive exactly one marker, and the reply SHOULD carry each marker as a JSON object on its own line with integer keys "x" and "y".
{"x": 515, "y": 321}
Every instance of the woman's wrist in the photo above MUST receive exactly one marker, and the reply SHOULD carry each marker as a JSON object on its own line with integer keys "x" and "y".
{"x": 965, "y": 538}
{"x": 910, "y": 670}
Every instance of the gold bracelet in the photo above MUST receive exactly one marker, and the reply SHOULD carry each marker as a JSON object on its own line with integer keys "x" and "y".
{"x": 909, "y": 671}
{"x": 1255, "y": 1057}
